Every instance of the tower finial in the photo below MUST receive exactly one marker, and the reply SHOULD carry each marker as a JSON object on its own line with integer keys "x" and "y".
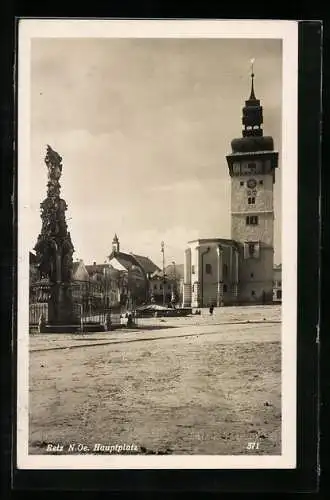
{"x": 252, "y": 95}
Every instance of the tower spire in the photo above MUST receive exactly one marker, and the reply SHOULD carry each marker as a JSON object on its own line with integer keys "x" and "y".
{"x": 252, "y": 112}
{"x": 252, "y": 95}
{"x": 115, "y": 244}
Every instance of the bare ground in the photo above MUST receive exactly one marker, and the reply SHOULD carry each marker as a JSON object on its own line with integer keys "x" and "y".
{"x": 207, "y": 389}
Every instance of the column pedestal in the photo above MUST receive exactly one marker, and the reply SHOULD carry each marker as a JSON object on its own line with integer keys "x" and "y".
{"x": 62, "y": 316}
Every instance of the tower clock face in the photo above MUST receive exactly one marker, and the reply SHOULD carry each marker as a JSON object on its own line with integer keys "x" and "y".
{"x": 251, "y": 183}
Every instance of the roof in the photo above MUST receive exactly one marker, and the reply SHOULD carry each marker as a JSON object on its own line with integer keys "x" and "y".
{"x": 33, "y": 258}
{"x": 96, "y": 268}
{"x": 225, "y": 241}
{"x": 129, "y": 259}
{"x": 99, "y": 269}
{"x": 146, "y": 263}
{"x": 125, "y": 259}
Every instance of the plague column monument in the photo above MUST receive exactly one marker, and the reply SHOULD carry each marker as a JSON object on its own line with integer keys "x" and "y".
{"x": 54, "y": 249}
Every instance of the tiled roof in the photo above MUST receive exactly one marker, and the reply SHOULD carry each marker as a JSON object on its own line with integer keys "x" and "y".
{"x": 146, "y": 263}
{"x": 129, "y": 259}
{"x": 125, "y": 259}
{"x": 96, "y": 268}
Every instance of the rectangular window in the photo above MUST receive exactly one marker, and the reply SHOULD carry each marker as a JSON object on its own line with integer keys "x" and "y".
{"x": 241, "y": 183}
{"x": 192, "y": 269}
{"x": 252, "y": 220}
{"x": 252, "y": 167}
{"x": 251, "y": 251}
{"x": 208, "y": 268}
{"x": 261, "y": 183}
{"x": 251, "y": 200}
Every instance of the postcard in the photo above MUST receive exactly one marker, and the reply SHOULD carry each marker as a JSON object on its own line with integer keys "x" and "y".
{"x": 157, "y": 240}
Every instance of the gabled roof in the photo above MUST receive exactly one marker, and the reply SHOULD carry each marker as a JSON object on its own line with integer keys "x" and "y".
{"x": 146, "y": 263}
{"x": 125, "y": 259}
{"x": 128, "y": 260}
{"x": 96, "y": 268}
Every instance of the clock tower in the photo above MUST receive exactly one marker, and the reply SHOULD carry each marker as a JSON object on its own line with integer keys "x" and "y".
{"x": 252, "y": 165}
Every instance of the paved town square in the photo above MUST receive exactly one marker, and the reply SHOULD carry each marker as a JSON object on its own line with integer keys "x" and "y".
{"x": 195, "y": 385}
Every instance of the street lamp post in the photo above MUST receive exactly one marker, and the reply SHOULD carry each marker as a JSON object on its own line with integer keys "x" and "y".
{"x": 162, "y": 250}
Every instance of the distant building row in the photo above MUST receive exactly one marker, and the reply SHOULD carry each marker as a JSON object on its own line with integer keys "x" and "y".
{"x": 124, "y": 279}
{"x": 128, "y": 277}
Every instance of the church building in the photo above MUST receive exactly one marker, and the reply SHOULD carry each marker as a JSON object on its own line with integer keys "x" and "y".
{"x": 137, "y": 270}
{"x": 239, "y": 270}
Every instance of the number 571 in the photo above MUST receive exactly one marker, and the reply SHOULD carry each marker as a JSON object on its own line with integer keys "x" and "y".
{"x": 252, "y": 445}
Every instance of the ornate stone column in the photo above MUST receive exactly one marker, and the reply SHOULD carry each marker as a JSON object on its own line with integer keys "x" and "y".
{"x": 220, "y": 277}
{"x": 54, "y": 248}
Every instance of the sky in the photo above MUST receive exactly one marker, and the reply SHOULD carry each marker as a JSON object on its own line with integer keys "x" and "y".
{"x": 144, "y": 127}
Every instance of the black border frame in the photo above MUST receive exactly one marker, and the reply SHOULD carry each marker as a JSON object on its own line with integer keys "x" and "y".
{"x": 306, "y": 476}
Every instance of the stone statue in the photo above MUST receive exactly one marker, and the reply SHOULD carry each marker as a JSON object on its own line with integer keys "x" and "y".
{"x": 54, "y": 247}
